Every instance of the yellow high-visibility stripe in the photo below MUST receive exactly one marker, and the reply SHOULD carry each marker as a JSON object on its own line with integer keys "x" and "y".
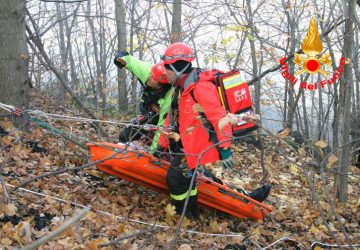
{"x": 233, "y": 85}
{"x": 221, "y": 97}
{"x": 181, "y": 197}
{"x": 232, "y": 77}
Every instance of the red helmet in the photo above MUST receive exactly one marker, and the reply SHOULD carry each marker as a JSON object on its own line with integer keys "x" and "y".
{"x": 178, "y": 51}
{"x": 158, "y": 71}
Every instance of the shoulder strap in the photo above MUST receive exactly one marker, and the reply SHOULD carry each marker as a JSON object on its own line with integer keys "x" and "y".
{"x": 174, "y": 106}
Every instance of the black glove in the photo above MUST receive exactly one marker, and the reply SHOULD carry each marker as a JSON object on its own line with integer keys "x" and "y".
{"x": 119, "y": 55}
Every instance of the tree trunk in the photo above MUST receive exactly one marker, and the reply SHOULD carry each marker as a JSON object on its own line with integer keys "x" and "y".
{"x": 14, "y": 57}
{"x": 253, "y": 58}
{"x": 121, "y": 34}
{"x": 63, "y": 51}
{"x": 320, "y": 118}
{"x": 345, "y": 100}
{"x": 305, "y": 119}
{"x": 134, "y": 80}
{"x": 176, "y": 22}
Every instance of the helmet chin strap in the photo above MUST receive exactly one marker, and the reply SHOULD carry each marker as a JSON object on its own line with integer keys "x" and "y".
{"x": 178, "y": 73}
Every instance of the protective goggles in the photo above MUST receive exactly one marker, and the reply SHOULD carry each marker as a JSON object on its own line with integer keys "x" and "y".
{"x": 167, "y": 58}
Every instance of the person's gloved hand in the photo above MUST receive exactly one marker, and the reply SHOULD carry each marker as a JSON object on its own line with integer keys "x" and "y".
{"x": 227, "y": 160}
{"x": 118, "y": 59}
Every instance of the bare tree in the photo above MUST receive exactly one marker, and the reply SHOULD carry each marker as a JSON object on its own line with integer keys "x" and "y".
{"x": 14, "y": 58}
{"x": 121, "y": 35}
{"x": 176, "y": 22}
{"x": 345, "y": 102}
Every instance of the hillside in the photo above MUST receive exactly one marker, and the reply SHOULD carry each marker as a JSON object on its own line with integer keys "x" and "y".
{"x": 298, "y": 196}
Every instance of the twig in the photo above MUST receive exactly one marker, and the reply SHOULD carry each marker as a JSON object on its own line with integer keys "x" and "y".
{"x": 282, "y": 239}
{"x": 64, "y": 1}
{"x": 51, "y": 235}
{"x": 325, "y": 245}
{"x": 62, "y": 171}
{"x": 257, "y": 246}
{"x": 126, "y": 236}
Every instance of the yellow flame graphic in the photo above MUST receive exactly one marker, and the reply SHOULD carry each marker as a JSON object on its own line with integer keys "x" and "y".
{"x": 312, "y": 44}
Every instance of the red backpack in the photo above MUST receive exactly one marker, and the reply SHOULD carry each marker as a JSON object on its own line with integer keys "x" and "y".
{"x": 234, "y": 95}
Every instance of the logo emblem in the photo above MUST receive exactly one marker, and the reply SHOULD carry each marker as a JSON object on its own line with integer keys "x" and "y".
{"x": 312, "y": 46}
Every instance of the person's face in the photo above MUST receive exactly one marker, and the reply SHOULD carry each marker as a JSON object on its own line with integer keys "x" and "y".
{"x": 170, "y": 76}
{"x": 152, "y": 83}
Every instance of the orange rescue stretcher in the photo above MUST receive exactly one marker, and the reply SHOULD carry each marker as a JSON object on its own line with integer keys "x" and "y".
{"x": 144, "y": 169}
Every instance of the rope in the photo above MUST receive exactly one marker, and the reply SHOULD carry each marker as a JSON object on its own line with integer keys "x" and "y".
{"x": 74, "y": 118}
{"x": 60, "y": 132}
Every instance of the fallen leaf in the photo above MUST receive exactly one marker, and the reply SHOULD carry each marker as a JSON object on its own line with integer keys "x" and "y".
{"x": 214, "y": 225}
{"x": 321, "y": 144}
{"x": 279, "y": 216}
{"x": 186, "y": 223}
{"x": 7, "y": 140}
{"x": 93, "y": 245}
{"x": 284, "y": 133}
{"x": 90, "y": 215}
{"x": 6, "y": 242}
{"x": 184, "y": 247}
{"x": 162, "y": 237}
{"x": 302, "y": 152}
{"x": 23, "y": 232}
{"x": 8, "y": 209}
{"x": 170, "y": 210}
{"x": 8, "y": 229}
{"x": 331, "y": 161}
{"x": 294, "y": 169}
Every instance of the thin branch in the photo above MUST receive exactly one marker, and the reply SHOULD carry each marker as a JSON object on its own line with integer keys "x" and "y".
{"x": 51, "y": 235}
{"x": 57, "y": 21}
{"x": 63, "y": 1}
{"x": 283, "y": 239}
{"x": 126, "y": 236}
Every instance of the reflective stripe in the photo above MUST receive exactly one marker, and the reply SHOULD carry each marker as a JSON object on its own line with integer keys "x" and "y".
{"x": 181, "y": 197}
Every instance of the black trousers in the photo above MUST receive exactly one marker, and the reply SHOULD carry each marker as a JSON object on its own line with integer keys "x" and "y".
{"x": 178, "y": 179}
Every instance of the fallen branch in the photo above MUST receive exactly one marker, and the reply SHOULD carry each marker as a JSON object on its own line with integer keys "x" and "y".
{"x": 283, "y": 239}
{"x": 126, "y": 236}
{"x": 325, "y": 245}
{"x": 51, "y": 235}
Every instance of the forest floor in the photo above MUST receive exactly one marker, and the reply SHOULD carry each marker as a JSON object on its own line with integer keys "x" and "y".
{"x": 119, "y": 207}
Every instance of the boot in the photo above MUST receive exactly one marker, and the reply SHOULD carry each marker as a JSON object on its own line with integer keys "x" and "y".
{"x": 260, "y": 194}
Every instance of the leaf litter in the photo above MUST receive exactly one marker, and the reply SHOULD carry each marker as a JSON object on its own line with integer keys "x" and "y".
{"x": 117, "y": 204}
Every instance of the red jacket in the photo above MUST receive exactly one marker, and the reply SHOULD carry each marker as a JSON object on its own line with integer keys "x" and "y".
{"x": 194, "y": 136}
